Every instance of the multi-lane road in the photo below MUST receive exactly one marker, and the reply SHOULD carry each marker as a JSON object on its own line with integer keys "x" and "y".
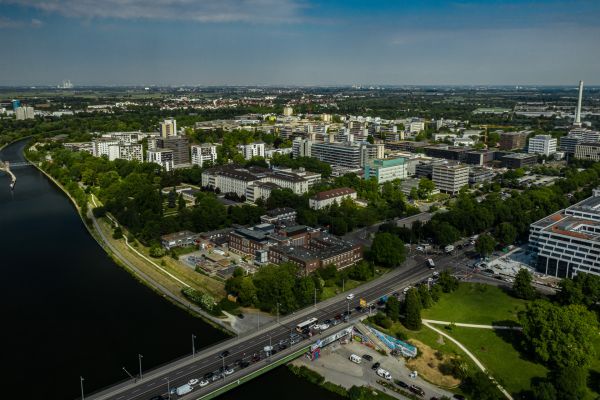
{"x": 157, "y": 382}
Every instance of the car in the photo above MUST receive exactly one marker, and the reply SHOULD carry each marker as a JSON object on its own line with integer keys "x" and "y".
{"x": 375, "y": 366}
{"x": 396, "y": 294}
{"x": 339, "y": 316}
{"x": 282, "y": 346}
{"x": 335, "y": 322}
{"x": 256, "y": 357}
{"x": 420, "y": 248}
{"x": 367, "y": 357}
{"x": 406, "y": 289}
{"x": 358, "y": 308}
{"x": 193, "y": 382}
{"x": 345, "y": 313}
{"x": 244, "y": 364}
{"x": 459, "y": 397}
{"x": 216, "y": 377}
{"x": 203, "y": 383}
{"x": 229, "y": 371}
{"x": 240, "y": 316}
{"x": 350, "y": 296}
{"x": 417, "y": 390}
{"x": 327, "y": 321}
{"x": 401, "y": 383}
{"x": 323, "y": 327}
{"x": 208, "y": 375}
{"x": 224, "y": 354}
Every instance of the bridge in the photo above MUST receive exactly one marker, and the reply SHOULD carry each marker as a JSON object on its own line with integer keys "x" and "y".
{"x": 6, "y": 167}
{"x": 244, "y": 356}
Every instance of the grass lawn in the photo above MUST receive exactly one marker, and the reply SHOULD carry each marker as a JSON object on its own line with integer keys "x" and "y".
{"x": 476, "y": 303}
{"x": 500, "y": 357}
{"x": 349, "y": 284}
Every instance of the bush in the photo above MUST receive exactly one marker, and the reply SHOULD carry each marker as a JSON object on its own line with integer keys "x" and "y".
{"x": 156, "y": 251}
{"x": 117, "y": 233}
{"x": 382, "y": 320}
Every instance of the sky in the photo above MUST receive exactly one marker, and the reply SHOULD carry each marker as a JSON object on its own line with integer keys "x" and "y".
{"x": 299, "y": 42}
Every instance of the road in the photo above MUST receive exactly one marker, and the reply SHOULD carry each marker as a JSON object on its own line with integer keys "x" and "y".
{"x": 362, "y": 236}
{"x": 243, "y": 348}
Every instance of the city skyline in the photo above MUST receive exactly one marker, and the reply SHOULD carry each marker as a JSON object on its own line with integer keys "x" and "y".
{"x": 303, "y": 43}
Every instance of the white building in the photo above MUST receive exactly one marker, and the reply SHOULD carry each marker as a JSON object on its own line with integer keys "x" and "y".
{"x": 25, "y": 113}
{"x": 131, "y": 152}
{"x": 168, "y": 127}
{"x": 329, "y": 197}
{"x": 203, "y": 153}
{"x": 568, "y": 241}
{"x": 252, "y": 150}
{"x": 450, "y": 178}
{"x": 162, "y": 157}
{"x": 288, "y": 111}
{"x": 301, "y": 147}
{"x": 542, "y": 144}
{"x": 415, "y": 127}
{"x": 101, "y": 146}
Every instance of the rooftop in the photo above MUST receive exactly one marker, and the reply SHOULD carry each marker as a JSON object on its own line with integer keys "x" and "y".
{"x": 329, "y": 194}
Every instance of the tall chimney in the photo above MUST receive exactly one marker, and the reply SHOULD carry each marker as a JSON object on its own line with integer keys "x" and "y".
{"x": 577, "y": 122}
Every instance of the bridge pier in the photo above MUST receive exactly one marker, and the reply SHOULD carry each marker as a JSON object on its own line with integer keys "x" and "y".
{"x": 5, "y": 166}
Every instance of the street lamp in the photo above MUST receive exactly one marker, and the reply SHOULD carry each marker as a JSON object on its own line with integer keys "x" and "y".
{"x": 140, "y": 362}
{"x": 193, "y": 345}
{"x": 168, "y": 387}
{"x": 278, "y": 313}
{"x": 81, "y": 383}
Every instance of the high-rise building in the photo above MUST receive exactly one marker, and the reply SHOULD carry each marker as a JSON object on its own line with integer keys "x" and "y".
{"x": 162, "y": 157}
{"x": 101, "y": 146}
{"x": 513, "y": 140}
{"x": 577, "y": 122}
{"x": 384, "y": 170}
{"x": 542, "y": 144}
{"x": 16, "y": 104}
{"x": 24, "y": 113}
{"x": 180, "y": 145}
{"x": 168, "y": 128}
{"x": 252, "y": 150}
{"x": 203, "y": 153}
{"x": 301, "y": 147}
{"x": 588, "y": 151}
{"x": 350, "y": 155}
{"x": 288, "y": 111}
{"x": 450, "y": 178}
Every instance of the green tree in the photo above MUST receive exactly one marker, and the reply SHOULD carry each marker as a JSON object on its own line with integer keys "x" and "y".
{"x": 447, "y": 282}
{"x": 426, "y": 186}
{"x": 506, "y": 233}
{"x": 435, "y": 292}
{"x": 522, "y": 287}
{"x": 425, "y": 296}
{"x": 157, "y": 251}
{"x": 562, "y": 337}
{"x": 180, "y": 203}
{"x": 392, "y": 308}
{"x": 570, "y": 382}
{"x": 172, "y": 196}
{"x": 485, "y": 244}
{"x": 117, "y": 233}
{"x": 412, "y": 319}
{"x": 480, "y": 387}
{"x": 543, "y": 390}
{"x": 247, "y": 292}
{"x": 387, "y": 250}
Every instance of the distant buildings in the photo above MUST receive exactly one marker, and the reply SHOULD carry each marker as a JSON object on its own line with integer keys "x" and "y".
{"x": 179, "y": 145}
{"x": 162, "y": 157}
{"x": 329, "y": 197}
{"x": 513, "y": 140}
{"x": 568, "y": 241}
{"x": 204, "y": 153}
{"x": 350, "y": 155}
{"x": 542, "y": 144}
{"x": 179, "y": 239}
{"x": 518, "y": 160}
{"x": 252, "y": 150}
{"x": 578, "y": 135}
{"x": 23, "y": 113}
{"x": 588, "y": 151}
{"x": 168, "y": 128}
{"x": 450, "y": 178}
{"x": 288, "y": 111}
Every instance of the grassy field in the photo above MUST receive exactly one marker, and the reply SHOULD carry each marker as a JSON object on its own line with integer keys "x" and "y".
{"x": 349, "y": 284}
{"x": 500, "y": 357}
{"x": 477, "y": 304}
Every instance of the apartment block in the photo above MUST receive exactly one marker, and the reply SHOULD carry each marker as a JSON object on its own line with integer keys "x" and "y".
{"x": 162, "y": 157}
{"x": 513, "y": 140}
{"x": 450, "y": 178}
{"x": 252, "y": 150}
{"x": 330, "y": 197}
{"x": 203, "y": 153}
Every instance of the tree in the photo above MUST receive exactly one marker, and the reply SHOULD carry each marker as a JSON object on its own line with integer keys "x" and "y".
{"x": 447, "y": 282}
{"x": 117, "y": 233}
{"x": 156, "y": 251}
{"x": 392, "y": 308}
{"x": 425, "y": 296}
{"x": 171, "y": 198}
{"x": 582, "y": 289}
{"x": 522, "y": 286}
{"x": 544, "y": 390}
{"x": 426, "y": 186}
{"x": 412, "y": 319}
{"x": 506, "y": 233}
{"x": 570, "y": 383}
{"x": 180, "y": 203}
{"x": 562, "y": 337}
{"x": 387, "y": 250}
{"x": 435, "y": 292}
{"x": 485, "y": 245}
{"x": 480, "y": 387}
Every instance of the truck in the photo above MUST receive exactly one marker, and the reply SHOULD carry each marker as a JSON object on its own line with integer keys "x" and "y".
{"x": 384, "y": 374}
{"x": 449, "y": 248}
{"x": 185, "y": 389}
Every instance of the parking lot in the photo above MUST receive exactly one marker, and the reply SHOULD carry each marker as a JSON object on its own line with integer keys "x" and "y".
{"x": 335, "y": 365}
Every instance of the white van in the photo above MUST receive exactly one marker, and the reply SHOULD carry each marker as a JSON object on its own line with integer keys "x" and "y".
{"x": 384, "y": 374}
{"x": 355, "y": 359}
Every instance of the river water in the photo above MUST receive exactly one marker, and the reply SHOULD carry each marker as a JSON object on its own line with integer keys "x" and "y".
{"x": 68, "y": 310}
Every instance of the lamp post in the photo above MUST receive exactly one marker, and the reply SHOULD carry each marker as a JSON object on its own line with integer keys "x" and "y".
{"x": 168, "y": 387}
{"x": 81, "y": 383}
{"x": 278, "y": 313}
{"x": 193, "y": 345}
{"x": 140, "y": 362}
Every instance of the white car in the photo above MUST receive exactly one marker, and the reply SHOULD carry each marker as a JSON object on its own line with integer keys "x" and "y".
{"x": 203, "y": 383}
{"x": 406, "y": 289}
{"x": 323, "y": 327}
{"x": 193, "y": 382}
{"x": 350, "y": 296}
{"x": 420, "y": 248}
{"x": 229, "y": 371}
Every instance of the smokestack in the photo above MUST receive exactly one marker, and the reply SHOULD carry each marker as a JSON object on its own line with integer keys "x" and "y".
{"x": 577, "y": 122}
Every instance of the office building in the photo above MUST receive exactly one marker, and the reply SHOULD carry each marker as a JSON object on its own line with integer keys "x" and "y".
{"x": 513, "y": 140}
{"x": 568, "y": 241}
{"x": 301, "y": 147}
{"x": 204, "y": 153}
{"x": 168, "y": 128}
{"x": 576, "y": 136}
{"x": 453, "y": 153}
{"x": 252, "y": 150}
{"x": 162, "y": 157}
{"x": 588, "y": 151}
{"x": 180, "y": 145}
{"x": 518, "y": 160}
{"x": 16, "y": 104}
{"x": 329, "y": 197}
{"x": 542, "y": 144}
{"x": 479, "y": 157}
{"x": 385, "y": 170}
{"x": 450, "y": 178}
{"x": 23, "y": 113}
{"x": 350, "y": 155}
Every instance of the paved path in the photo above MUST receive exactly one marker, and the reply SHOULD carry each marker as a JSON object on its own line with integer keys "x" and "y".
{"x": 471, "y": 356}
{"x": 513, "y": 328}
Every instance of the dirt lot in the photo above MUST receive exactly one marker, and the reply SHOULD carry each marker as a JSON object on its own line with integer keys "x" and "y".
{"x": 427, "y": 365}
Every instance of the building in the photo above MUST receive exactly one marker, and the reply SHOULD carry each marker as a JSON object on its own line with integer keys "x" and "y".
{"x": 576, "y": 136}
{"x": 518, "y": 160}
{"x": 568, "y": 241}
{"x": 252, "y": 150}
{"x": 350, "y": 155}
{"x": 406, "y": 145}
{"x": 577, "y": 121}
{"x": 288, "y": 111}
{"x": 480, "y": 175}
{"x": 329, "y": 197}
{"x": 542, "y": 144}
{"x": 513, "y": 140}
{"x": 453, "y": 153}
{"x": 249, "y": 241}
{"x": 101, "y": 146}
{"x": 384, "y": 170}
{"x": 168, "y": 128}
{"x": 277, "y": 216}
{"x": 450, "y": 178}
{"x": 179, "y": 239}
{"x": 301, "y": 147}
{"x": 588, "y": 151}
{"x": 23, "y": 113}
{"x": 180, "y": 145}
{"x": 479, "y": 157}
{"x": 162, "y": 157}
{"x": 203, "y": 153}
{"x": 129, "y": 152}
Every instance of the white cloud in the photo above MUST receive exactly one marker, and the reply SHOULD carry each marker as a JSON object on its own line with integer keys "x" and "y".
{"x": 7, "y": 23}
{"x": 252, "y": 11}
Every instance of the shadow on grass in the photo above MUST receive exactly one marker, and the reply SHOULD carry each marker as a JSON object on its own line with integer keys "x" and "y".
{"x": 513, "y": 337}
{"x": 594, "y": 380}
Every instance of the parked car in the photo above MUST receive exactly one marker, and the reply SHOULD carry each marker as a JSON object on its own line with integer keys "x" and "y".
{"x": 208, "y": 375}
{"x": 367, "y": 357}
{"x": 375, "y": 366}
{"x": 244, "y": 364}
{"x": 384, "y": 374}
{"x": 417, "y": 390}
{"x": 224, "y": 354}
{"x": 229, "y": 371}
{"x": 401, "y": 383}
{"x": 350, "y": 296}
{"x": 203, "y": 383}
{"x": 193, "y": 382}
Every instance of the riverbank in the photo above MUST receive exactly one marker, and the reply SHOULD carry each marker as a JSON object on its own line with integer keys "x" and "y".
{"x": 135, "y": 268}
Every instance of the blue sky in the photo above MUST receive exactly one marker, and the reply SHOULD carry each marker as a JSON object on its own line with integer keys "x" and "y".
{"x": 299, "y": 42}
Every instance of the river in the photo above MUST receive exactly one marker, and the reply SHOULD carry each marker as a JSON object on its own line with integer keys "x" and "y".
{"x": 69, "y": 311}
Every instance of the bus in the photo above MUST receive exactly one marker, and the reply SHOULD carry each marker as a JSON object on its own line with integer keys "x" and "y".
{"x": 430, "y": 263}
{"x": 306, "y": 324}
